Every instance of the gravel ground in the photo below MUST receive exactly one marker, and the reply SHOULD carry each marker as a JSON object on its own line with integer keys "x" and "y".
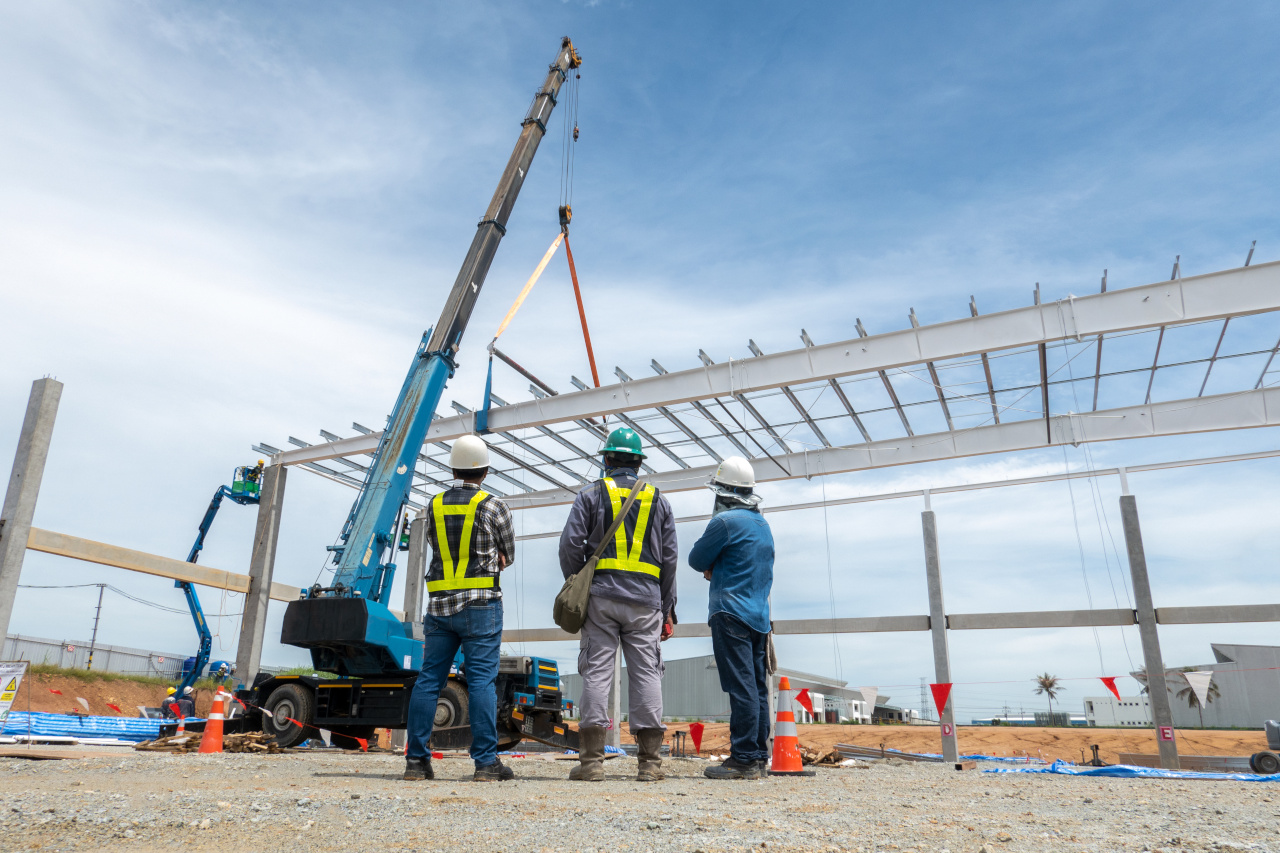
{"x": 149, "y": 802}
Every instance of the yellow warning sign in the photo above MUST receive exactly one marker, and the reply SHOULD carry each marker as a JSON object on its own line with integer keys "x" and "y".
{"x": 12, "y": 685}
{"x": 7, "y": 696}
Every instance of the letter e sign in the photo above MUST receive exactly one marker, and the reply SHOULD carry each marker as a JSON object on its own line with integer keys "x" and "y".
{"x": 1166, "y": 733}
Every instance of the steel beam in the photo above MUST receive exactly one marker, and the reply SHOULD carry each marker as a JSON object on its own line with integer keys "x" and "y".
{"x": 1214, "y": 614}
{"x": 938, "y": 628}
{"x": 933, "y": 374}
{"x": 1213, "y": 358}
{"x": 1176, "y": 417}
{"x": 706, "y": 413}
{"x": 1214, "y": 296}
{"x": 844, "y": 399}
{"x": 1040, "y": 619}
{"x": 795, "y": 402}
{"x": 986, "y": 368}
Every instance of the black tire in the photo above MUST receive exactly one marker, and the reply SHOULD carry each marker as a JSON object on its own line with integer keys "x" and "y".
{"x": 453, "y": 708}
{"x": 287, "y": 703}
{"x": 1265, "y": 763}
{"x": 344, "y": 736}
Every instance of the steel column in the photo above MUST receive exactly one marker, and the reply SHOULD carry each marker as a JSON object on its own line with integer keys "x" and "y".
{"x": 938, "y": 627}
{"x": 262, "y": 564}
{"x": 24, "y": 487}
{"x": 1161, "y": 712}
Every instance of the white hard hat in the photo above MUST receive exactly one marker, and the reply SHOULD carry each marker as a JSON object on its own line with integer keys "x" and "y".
{"x": 734, "y": 479}
{"x": 468, "y": 453}
{"x": 186, "y": 691}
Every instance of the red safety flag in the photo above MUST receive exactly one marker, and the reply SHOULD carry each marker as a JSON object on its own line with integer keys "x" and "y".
{"x": 51, "y": 690}
{"x": 941, "y": 692}
{"x": 1110, "y": 682}
{"x": 115, "y": 708}
{"x": 364, "y": 744}
{"x": 805, "y": 701}
{"x": 695, "y": 732}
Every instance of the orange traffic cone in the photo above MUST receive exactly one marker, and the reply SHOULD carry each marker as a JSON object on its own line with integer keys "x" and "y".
{"x": 786, "y": 743}
{"x": 182, "y": 726}
{"x": 212, "y": 740}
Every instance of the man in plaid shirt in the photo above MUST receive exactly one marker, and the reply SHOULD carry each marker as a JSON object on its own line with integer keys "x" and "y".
{"x": 471, "y": 541}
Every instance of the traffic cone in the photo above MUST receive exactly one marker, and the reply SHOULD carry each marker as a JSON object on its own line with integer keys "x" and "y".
{"x": 212, "y": 740}
{"x": 786, "y": 743}
{"x": 182, "y": 727}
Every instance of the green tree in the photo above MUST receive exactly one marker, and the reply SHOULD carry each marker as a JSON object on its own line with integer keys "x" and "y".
{"x": 1050, "y": 686}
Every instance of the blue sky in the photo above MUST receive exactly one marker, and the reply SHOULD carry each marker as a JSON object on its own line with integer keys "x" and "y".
{"x": 229, "y": 226}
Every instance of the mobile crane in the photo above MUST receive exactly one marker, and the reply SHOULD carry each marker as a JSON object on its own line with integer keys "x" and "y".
{"x": 244, "y": 489}
{"x": 348, "y": 626}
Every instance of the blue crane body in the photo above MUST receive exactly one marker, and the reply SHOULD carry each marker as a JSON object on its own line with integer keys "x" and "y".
{"x": 348, "y": 626}
{"x": 244, "y": 490}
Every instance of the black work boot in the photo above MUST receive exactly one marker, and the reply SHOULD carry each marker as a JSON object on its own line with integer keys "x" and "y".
{"x": 733, "y": 769}
{"x": 417, "y": 769}
{"x": 495, "y": 772}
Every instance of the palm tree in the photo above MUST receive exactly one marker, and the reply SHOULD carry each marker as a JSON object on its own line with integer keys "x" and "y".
{"x": 1193, "y": 701}
{"x": 1048, "y": 685}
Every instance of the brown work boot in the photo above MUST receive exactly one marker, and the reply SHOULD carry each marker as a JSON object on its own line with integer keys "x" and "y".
{"x": 590, "y": 755}
{"x": 649, "y": 751}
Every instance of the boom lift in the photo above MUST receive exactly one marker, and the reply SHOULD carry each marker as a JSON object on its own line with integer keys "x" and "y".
{"x": 348, "y": 626}
{"x": 244, "y": 490}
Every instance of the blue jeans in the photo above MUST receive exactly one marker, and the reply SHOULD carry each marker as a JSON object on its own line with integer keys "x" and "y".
{"x": 740, "y": 658}
{"x": 477, "y": 628}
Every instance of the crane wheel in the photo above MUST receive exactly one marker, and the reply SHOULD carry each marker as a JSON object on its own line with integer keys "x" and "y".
{"x": 1266, "y": 763}
{"x": 288, "y": 703}
{"x": 453, "y": 706}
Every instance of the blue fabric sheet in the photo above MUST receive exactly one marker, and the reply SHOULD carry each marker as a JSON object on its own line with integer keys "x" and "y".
{"x": 1128, "y": 771}
{"x": 136, "y": 729}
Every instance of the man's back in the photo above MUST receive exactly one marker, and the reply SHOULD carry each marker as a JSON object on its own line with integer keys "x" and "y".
{"x": 737, "y": 548}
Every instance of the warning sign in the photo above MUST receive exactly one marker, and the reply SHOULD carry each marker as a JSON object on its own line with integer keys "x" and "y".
{"x": 11, "y": 673}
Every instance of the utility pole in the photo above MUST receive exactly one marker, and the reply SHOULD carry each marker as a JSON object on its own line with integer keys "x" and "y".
{"x": 93, "y": 641}
{"x": 924, "y": 699}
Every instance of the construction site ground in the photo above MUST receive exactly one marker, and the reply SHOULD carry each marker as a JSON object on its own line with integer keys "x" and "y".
{"x": 1049, "y": 743}
{"x": 342, "y": 802}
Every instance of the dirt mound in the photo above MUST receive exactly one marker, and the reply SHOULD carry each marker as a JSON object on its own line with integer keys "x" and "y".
{"x": 57, "y": 694}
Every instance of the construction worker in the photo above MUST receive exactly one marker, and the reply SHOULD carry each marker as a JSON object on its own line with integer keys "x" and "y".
{"x": 735, "y": 553}
{"x": 187, "y": 702}
{"x": 253, "y": 475}
{"x": 169, "y": 706}
{"x": 633, "y": 601}
{"x": 472, "y": 541}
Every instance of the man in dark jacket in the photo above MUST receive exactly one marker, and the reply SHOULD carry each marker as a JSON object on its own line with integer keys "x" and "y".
{"x": 735, "y": 553}
{"x": 632, "y": 604}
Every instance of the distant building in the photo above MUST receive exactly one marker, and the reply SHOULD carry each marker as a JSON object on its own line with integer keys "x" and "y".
{"x": 1247, "y": 679}
{"x": 691, "y": 691}
{"x": 1127, "y": 711}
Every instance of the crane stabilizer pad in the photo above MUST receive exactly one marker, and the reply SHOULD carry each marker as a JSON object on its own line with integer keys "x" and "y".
{"x": 539, "y": 726}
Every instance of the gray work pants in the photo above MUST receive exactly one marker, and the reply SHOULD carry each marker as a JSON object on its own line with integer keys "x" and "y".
{"x": 608, "y": 623}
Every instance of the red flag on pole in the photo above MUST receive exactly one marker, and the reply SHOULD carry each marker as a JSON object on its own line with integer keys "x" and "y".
{"x": 695, "y": 732}
{"x": 1110, "y": 682}
{"x": 805, "y": 700}
{"x": 941, "y": 692}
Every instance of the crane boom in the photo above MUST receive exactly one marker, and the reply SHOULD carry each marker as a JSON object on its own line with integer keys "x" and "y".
{"x": 348, "y": 626}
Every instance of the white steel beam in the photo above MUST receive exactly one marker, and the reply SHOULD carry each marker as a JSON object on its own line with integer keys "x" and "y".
{"x": 1214, "y": 296}
{"x": 1247, "y": 409}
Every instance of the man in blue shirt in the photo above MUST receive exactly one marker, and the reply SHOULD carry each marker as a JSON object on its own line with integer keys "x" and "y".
{"x": 735, "y": 553}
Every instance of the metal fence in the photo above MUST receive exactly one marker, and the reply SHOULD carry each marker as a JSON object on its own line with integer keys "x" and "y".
{"x": 74, "y": 654}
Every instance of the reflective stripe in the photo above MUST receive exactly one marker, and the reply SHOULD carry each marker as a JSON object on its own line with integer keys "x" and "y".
{"x": 627, "y": 557}
{"x": 784, "y": 728}
{"x": 455, "y": 576}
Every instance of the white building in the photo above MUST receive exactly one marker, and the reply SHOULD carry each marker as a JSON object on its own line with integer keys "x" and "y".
{"x": 1127, "y": 711}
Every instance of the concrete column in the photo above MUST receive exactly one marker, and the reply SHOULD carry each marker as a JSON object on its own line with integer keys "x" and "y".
{"x": 1161, "y": 709}
{"x": 415, "y": 572}
{"x": 938, "y": 627}
{"x": 615, "y": 701}
{"x": 262, "y": 564}
{"x": 24, "y": 487}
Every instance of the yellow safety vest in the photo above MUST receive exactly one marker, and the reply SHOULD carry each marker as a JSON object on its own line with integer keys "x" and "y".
{"x": 627, "y": 555}
{"x": 455, "y": 571}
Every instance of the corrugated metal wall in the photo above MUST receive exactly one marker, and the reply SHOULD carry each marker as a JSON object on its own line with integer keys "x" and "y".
{"x": 74, "y": 654}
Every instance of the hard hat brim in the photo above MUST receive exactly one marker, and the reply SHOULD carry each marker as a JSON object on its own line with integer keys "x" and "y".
{"x": 727, "y": 492}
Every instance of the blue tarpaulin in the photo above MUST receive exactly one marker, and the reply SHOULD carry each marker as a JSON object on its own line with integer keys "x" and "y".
{"x": 1128, "y": 771}
{"x": 72, "y": 725}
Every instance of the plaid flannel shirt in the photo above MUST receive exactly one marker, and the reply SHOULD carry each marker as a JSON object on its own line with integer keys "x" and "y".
{"x": 493, "y": 533}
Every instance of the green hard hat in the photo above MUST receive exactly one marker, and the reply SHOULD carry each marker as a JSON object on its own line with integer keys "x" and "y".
{"x": 623, "y": 440}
